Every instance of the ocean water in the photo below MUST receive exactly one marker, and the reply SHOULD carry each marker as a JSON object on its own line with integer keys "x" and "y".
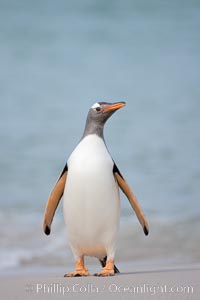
{"x": 57, "y": 58}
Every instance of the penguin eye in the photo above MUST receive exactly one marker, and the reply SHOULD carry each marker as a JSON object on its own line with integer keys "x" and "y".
{"x": 98, "y": 108}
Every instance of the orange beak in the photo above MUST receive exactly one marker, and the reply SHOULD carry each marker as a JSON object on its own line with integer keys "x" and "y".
{"x": 114, "y": 106}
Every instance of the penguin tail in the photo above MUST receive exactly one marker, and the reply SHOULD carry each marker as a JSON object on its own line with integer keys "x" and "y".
{"x": 103, "y": 264}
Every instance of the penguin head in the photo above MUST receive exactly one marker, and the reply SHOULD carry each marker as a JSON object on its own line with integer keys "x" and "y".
{"x": 100, "y": 112}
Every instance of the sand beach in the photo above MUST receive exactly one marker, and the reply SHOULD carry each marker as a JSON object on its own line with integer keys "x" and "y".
{"x": 165, "y": 283}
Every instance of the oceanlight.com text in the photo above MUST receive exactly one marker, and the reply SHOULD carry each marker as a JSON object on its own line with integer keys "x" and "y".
{"x": 112, "y": 288}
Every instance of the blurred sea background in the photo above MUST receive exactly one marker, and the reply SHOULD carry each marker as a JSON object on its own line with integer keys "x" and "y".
{"x": 57, "y": 58}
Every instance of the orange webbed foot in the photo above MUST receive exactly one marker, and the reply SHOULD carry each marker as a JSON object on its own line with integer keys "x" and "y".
{"x": 108, "y": 270}
{"x": 80, "y": 270}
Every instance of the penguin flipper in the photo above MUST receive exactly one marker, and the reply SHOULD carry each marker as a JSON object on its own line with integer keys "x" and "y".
{"x": 53, "y": 201}
{"x": 103, "y": 264}
{"x": 132, "y": 199}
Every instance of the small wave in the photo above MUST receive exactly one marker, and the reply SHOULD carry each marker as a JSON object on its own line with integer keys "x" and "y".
{"x": 11, "y": 258}
{"x": 28, "y": 245}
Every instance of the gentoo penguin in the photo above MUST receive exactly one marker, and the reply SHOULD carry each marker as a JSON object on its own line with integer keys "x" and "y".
{"x": 89, "y": 184}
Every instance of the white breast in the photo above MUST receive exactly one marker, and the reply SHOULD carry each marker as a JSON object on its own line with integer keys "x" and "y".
{"x": 91, "y": 199}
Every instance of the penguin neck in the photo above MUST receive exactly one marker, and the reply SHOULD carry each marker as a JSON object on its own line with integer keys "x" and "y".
{"x": 93, "y": 128}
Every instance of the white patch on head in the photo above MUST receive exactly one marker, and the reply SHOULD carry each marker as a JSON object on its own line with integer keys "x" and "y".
{"x": 96, "y": 105}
